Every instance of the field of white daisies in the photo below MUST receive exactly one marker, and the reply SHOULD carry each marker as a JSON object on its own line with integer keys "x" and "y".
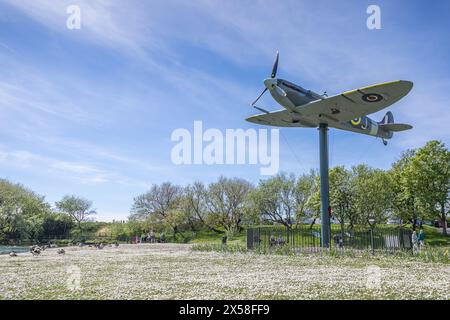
{"x": 174, "y": 271}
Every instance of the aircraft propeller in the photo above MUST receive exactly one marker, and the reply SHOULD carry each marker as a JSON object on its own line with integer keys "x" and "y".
{"x": 272, "y": 76}
{"x": 275, "y": 66}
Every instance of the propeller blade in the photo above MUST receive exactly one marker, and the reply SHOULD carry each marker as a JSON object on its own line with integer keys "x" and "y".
{"x": 261, "y": 109}
{"x": 275, "y": 66}
{"x": 264, "y": 91}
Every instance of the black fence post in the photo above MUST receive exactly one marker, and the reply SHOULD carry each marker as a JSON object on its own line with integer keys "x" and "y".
{"x": 250, "y": 238}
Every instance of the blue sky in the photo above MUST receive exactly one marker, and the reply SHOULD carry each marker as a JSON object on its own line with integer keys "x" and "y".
{"x": 91, "y": 111}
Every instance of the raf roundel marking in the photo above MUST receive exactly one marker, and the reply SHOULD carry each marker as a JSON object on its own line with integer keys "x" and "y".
{"x": 372, "y": 97}
{"x": 356, "y": 121}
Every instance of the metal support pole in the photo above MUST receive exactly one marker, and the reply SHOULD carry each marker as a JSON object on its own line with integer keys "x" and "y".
{"x": 324, "y": 186}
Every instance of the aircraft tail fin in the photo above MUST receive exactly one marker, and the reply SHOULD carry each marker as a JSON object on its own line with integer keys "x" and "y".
{"x": 387, "y": 119}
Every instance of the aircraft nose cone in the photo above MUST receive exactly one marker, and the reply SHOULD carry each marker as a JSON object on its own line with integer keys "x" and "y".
{"x": 270, "y": 83}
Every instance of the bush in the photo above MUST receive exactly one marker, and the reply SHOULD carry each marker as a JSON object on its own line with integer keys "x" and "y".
{"x": 430, "y": 254}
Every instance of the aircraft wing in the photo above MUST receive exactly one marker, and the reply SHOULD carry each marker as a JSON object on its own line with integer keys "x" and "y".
{"x": 355, "y": 103}
{"x": 281, "y": 118}
{"x": 339, "y": 108}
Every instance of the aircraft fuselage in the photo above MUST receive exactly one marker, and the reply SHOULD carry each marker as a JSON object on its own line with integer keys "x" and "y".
{"x": 292, "y": 96}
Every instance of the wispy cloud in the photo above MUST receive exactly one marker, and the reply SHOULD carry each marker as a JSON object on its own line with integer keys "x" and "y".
{"x": 82, "y": 172}
{"x": 97, "y": 105}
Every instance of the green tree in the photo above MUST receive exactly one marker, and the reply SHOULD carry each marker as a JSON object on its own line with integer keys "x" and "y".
{"x": 276, "y": 200}
{"x": 22, "y": 212}
{"x": 313, "y": 203}
{"x": 341, "y": 195}
{"x": 159, "y": 205}
{"x": 195, "y": 206}
{"x": 430, "y": 169}
{"x": 77, "y": 208}
{"x": 373, "y": 194}
{"x": 226, "y": 201}
{"x": 304, "y": 190}
{"x": 56, "y": 224}
{"x": 404, "y": 184}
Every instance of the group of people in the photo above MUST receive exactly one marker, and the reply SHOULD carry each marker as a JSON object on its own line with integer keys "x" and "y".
{"x": 274, "y": 241}
{"x": 152, "y": 238}
{"x": 418, "y": 240}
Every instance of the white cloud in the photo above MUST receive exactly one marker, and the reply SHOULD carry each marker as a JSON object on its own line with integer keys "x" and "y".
{"x": 56, "y": 168}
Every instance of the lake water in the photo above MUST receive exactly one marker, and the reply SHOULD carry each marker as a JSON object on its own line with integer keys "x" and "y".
{"x": 8, "y": 249}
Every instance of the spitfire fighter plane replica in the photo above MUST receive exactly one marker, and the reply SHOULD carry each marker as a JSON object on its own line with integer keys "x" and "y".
{"x": 345, "y": 111}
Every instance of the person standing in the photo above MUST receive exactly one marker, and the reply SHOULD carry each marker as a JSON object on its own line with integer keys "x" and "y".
{"x": 152, "y": 236}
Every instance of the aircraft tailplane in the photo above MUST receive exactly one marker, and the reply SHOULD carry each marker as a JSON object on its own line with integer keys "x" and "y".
{"x": 387, "y": 124}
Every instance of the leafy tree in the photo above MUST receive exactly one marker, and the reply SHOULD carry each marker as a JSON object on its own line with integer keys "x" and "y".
{"x": 341, "y": 195}
{"x": 276, "y": 199}
{"x": 304, "y": 190}
{"x": 195, "y": 207}
{"x": 226, "y": 201}
{"x": 160, "y": 205}
{"x": 373, "y": 194}
{"x": 430, "y": 170}
{"x": 404, "y": 184}
{"x": 122, "y": 231}
{"x": 77, "y": 208}
{"x": 159, "y": 200}
{"x": 56, "y": 224}
{"x": 313, "y": 204}
{"x": 21, "y": 212}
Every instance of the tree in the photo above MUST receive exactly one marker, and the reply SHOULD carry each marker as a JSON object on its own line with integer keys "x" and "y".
{"x": 195, "y": 205}
{"x": 373, "y": 194}
{"x": 405, "y": 201}
{"x": 313, "y": 204}
{"x": 78, "y": 208}
{"x": 341, "y": 195}
{"x": 22, "y": 212}
{"x": 276, "y": 199}
{"x": 226, "y": 201}
{"x": 161, "y": 204}
{"x": 430, "y": 169}
{"x": 56, "y": 224}
{"x": 305, "y": 188}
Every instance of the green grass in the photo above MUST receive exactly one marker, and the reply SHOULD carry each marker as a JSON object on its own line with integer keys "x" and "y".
{"x": 428, "y": 254}
{"x": 211, "y": 237}
{"x": 214, "y": 247}
{"x": 432, "y": 235}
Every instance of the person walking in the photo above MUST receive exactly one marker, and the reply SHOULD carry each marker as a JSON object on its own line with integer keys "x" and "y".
{"x": 415, "y": 242}
{"x": 421, "y": 238}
